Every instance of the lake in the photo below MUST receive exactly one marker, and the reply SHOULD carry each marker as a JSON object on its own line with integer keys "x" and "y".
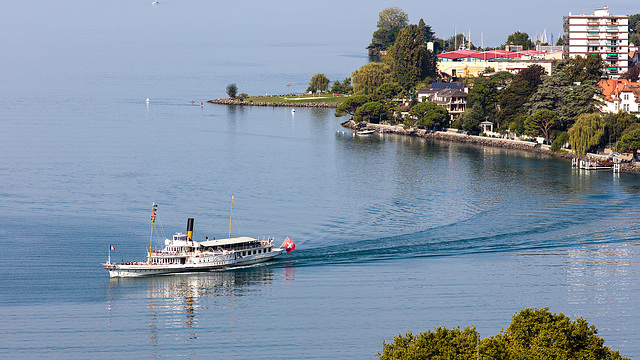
{"x": 393, "y": 234}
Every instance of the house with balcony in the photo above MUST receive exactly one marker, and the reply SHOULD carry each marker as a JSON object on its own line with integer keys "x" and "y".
{"x": 452, "y": 96}
{"x": 601, "y": 34}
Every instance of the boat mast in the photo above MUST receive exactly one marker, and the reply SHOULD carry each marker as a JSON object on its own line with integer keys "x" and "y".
{"x": 153, "y": 221}
{"x": 231, "y": 216}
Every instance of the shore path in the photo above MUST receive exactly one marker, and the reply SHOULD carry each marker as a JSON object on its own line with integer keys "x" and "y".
{"x": 454, "y": 135}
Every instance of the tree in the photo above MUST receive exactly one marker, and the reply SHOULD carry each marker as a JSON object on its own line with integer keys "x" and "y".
{"x": 382, "y": 39}
{"x": 351, "y": 105}
{"x": 542, "y": 121}
{"x": 539, "y": 334}
{"x": 485, "y": 93}
{"x": 319, "y": 82}
{"x": 617, "y": 125}
{"x": 584, "y": 69}
{"x": 232, "y": 90}
{"x": 551, "y": 93}
{"x": 578, "y": 100}
{"x": 561, "y": 139}
{"x": 409, "y": 60}
{"x": 369, "y": 77}
{"x": 633, "y": 74}
{"x": 514, "y": 96}
{"x": 392, "y": 16}
{"x": 428, "y": 115}
{"x": 373, "y": 112}
{"x": 388, "y": 91}
{"x": 427, "y": 32}
{"x": 442, "y": 343}
{"x": 470, "y": 119}
{"x": 586, "y": 133}
{"x": 630, "y": 142}
{"x": 342, "y": 88}
{"x": 522, "y": 39}
{"x": 532, "y": 334}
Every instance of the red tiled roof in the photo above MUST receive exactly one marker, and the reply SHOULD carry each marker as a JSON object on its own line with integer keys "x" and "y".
{"x": 612, "y": 88}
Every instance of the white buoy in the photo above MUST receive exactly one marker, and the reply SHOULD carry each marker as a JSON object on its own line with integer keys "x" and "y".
{"x": 147, "y": 100}
{"x": 293, "y": 110}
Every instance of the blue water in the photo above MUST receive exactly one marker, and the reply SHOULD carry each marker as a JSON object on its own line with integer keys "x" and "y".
{"x": 392, "y": 234}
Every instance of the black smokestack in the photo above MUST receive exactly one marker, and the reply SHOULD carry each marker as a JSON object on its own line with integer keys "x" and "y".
{"x": 190, "y": 228}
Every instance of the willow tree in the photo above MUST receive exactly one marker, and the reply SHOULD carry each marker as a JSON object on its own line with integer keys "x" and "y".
{"x": 319, "y": 82}
{"x": 586, "y": 133}
{"x": 369, "y": 77}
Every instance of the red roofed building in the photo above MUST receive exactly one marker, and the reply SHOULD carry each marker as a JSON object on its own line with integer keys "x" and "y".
{"x": 620, "y": 95}
{"x": 462, "y": 63}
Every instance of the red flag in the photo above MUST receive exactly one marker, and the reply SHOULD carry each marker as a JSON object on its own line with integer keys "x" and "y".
{"x": 289, "y": 245}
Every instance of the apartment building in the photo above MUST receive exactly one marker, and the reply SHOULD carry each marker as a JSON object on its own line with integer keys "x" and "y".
{"x": 600, "y": 33}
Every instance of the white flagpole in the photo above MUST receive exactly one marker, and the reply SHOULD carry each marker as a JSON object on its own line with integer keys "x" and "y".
{"x": 109, "y": 262}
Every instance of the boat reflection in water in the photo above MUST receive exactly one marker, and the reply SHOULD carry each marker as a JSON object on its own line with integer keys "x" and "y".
{"x": 180, "y": 306}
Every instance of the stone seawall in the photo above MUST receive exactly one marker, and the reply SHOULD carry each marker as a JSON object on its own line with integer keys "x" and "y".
{"x": 248, "y": 102}
{"x": 465, "y": 138}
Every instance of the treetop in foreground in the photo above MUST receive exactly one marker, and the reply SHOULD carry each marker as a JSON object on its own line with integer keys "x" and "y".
{"x": 532, "y": 334}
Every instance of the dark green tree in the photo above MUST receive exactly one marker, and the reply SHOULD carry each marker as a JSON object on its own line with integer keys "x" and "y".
{"x": 470, "y": 120}
{"x": 428, "y": 115}
{"x": 388, "y": 91}
{"x": 584, "y": 69}
{"x": 351, "y": 105}
{"x": 634, "y": 24}
{"x": 513, "y": 97}
{"x": 561, "y": 139}
{"x": 586, "y": 133}
{"x": 630, "y": 142}
{"x": 342, "y": 88}
{"x": 390, "y": 21}
{"x": 373, "y": 112}
{"x": 616, "y": 125}
{"x": 232, "y": 90}
{"x": 319, "y": 82}
{"x": 551, "y": 93}
{"x": 409, "y": 60}
{"x": 427, "y": 33}
{"x": 484, "y": 93}
{"x": 633, "y": 74}
{"x": 579, "y": 99}
{"x": 383, "y": 39}
{"x": 522, "y": 39}
{"x": 541, "y": 122}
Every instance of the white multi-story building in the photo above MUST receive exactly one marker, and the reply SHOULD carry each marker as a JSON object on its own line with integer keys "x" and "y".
{"x": 600, "y": 33}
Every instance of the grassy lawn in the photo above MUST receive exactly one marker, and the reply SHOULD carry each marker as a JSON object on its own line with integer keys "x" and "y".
{"x": 295, "y": 99}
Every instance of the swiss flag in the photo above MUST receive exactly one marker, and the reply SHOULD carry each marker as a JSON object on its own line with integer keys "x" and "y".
{"x": 289, "y": 245}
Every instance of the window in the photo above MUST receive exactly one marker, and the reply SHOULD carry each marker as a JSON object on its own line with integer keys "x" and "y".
{"x": 625, "y": 107}
{"x": 626, "y": 96}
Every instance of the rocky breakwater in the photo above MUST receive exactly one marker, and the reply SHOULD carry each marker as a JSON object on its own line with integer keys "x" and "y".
{"x": 458, "y": 136}
{"x": 249, "y": 102}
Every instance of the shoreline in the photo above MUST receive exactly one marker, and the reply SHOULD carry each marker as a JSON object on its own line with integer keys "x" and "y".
{"x": 247, "y": 102}
{"x": 474, "y": 139}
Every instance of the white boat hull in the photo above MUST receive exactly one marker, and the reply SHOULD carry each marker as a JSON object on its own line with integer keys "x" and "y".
{"x": 201, "y": 263}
